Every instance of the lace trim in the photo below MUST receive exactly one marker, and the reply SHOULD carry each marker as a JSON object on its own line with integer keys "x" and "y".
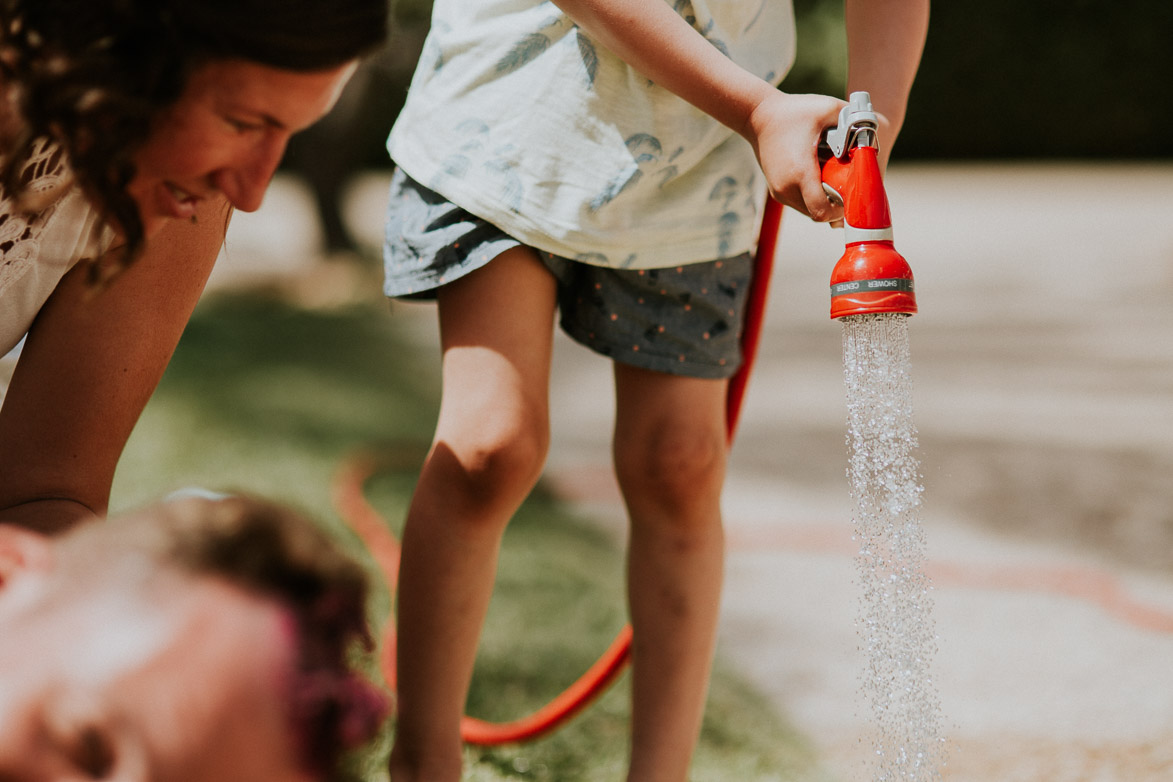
{"x": 46, "y": 178}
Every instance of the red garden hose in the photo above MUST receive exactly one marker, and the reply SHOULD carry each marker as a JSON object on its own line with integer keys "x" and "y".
{"x": 755, "y": 313}
{"x": 371, "y": 528}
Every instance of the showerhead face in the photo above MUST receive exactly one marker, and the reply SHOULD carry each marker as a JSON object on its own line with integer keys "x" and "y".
{"x": 870, "y": 278}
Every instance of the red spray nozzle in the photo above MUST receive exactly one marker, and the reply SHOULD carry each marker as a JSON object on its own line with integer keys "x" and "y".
{"x": 871, "y": 277}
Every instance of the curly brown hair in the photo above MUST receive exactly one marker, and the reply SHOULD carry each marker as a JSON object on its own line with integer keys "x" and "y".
{"x": 91, "y": 75}
{"x": 270, "y": 551}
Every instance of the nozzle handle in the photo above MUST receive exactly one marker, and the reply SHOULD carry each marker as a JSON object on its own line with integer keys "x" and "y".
{"x": 856, "y": 116}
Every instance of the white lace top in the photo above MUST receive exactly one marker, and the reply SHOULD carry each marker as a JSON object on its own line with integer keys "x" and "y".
{"x": 41, "y": 239}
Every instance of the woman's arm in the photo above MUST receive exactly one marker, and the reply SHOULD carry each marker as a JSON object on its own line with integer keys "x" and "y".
{"x": 783, "y": 128}
{"x": 88, "y": 367}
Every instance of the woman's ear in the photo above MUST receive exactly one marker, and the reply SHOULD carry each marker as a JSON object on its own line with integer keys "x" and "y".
{"x": 22, "y": 550}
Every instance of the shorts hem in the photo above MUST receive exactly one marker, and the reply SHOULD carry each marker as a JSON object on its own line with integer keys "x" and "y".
{"x": 656, "y": 362}
{"x": 425, "y": 286}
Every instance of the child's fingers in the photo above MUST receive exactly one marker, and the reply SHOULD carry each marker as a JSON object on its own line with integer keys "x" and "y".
{"x": 818, "y": 206}
{"x": 813, "y": 204}
{"x": 791, "y": 195}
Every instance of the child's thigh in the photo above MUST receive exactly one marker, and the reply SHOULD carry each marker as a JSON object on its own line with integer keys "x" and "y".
{"x": 496, "y": 327}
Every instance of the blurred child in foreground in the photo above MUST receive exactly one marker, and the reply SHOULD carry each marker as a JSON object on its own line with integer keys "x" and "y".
{"x": 195, "y": 641}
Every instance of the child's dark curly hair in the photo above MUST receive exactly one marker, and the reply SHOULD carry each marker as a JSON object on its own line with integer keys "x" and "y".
{"x": 91, "y": 75}
{"x": 268, "y": 550}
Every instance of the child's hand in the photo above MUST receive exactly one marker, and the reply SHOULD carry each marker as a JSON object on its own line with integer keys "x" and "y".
{"x": 785, "y": 130}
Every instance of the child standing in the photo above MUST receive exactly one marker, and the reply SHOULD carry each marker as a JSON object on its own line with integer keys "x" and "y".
{"x": 600, "y": 159}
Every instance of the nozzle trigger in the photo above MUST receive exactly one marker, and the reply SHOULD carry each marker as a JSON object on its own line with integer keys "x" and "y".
{"x": 856, "y": 116}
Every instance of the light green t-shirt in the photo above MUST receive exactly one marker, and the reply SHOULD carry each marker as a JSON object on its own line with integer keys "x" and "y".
{"x": 516, "y": 115}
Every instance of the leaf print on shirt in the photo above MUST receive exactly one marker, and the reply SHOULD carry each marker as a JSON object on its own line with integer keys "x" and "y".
{"x": 524, "y": 51}
{"x": 531, "y": 46}
{"x": 669, "y": 172}
{"x": 454, "y": 166}
{"x": 589, "y": 55}
{"x": 477, "y": 149}
{"x": 508, "y": 181}
{"x": 756, "y": 16}
{"x": 726, "y": 228}
{"x": 644, "y": 149}
{"x": 685, "y": 9}
{"x": 707, "y": 32}
{"x": 476, "y": 137}
{"x": 432, "y": 56}
{"x": 624, "y": 180}
{"x": 726, "y": 192}
{"x": 476, "y": 133}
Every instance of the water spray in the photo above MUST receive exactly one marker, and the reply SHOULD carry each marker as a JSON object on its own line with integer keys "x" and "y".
{"x": 871, "y": 277}
{"x": 872, "y": 295}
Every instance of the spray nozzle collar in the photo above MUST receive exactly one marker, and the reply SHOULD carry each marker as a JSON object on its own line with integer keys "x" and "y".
{"x": 857, "y": 125}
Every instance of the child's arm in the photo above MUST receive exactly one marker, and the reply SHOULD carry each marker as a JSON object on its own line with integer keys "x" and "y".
{"x": 885, "y": 39}
{"x": 783, "y": 129}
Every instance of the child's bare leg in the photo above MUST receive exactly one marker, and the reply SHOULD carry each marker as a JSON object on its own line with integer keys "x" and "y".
{"x": 670, "y": 455}
{"x": 496, "y": 330}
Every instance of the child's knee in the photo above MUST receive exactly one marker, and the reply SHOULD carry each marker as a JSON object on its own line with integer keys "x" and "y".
{"x": 675, "y": 466}
{"x": 500, "y": 463}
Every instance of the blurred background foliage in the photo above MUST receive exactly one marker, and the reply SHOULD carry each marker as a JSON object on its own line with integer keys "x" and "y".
{"x": 1002, "y": 79}
{"x": 1043, "y": 79}
{"x": 1006, "y": 79}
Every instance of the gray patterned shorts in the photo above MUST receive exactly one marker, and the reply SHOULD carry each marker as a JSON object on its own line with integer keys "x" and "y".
{"x": 682, "y": 320}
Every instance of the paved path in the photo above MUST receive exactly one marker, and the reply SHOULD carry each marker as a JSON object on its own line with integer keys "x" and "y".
{"x": 1043, "y": 366}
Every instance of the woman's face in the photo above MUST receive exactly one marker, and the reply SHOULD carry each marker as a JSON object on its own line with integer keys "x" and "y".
{"x": 225, "y": 136}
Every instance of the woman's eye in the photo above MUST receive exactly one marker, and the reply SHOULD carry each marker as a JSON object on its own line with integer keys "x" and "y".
{"x": 240, "y": 125}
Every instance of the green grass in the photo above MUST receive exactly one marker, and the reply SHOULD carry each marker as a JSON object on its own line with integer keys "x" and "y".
{"x": 268, "y": 398}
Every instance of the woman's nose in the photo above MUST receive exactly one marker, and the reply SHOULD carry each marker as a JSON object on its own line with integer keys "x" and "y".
{"x": 245, "y": 181}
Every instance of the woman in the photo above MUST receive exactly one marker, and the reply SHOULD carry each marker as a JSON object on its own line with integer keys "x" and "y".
{"x": 129, "y": 130}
